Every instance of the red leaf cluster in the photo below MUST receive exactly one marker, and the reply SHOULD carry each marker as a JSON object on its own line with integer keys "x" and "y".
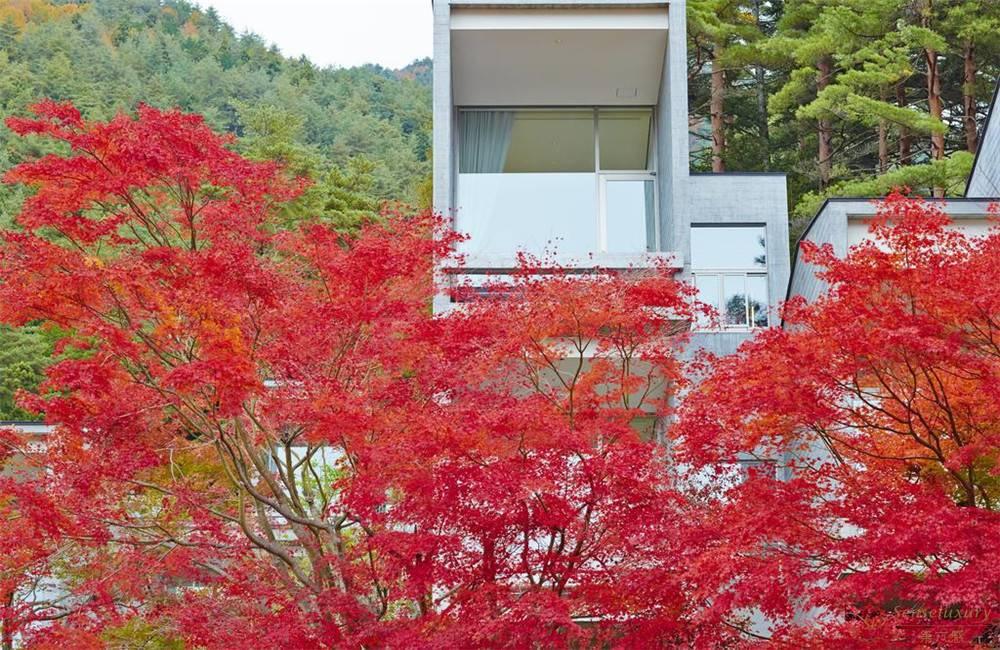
{"x": 264, "y": 438}
{"x": 882, "y": 401}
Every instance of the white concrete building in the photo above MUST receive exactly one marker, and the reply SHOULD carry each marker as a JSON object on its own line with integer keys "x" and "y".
{"x": 561, "y": 128}
{"x": 844, "y": 223}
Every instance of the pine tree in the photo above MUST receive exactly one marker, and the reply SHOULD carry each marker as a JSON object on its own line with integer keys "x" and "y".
{"x": 719, "y": 32}
{"x": 972, "y": 29}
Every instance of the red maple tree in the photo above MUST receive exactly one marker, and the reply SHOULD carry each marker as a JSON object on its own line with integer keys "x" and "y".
{"x": 881, "y": 402}
{"x": 264, "y": 438}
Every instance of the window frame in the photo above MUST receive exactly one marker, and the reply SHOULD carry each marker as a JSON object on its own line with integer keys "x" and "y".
{"x": 601, "y": 176}
{"x": 745, "y": 273}
{"x": 652, "y": 156}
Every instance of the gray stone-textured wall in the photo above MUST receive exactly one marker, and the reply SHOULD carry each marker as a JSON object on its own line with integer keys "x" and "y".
{"x": 683, "y": 198}
{"x": 735, "y": 199}
{"x": 742, "y": 199}
{"x": 985, "y": 180}
{"x": 828, "y": 227}
{"x": 442, "y": 109}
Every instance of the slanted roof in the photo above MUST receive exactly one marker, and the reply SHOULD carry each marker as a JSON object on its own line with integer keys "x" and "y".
{"x": 830, "y": 226}
{"x": 985, "y": 178}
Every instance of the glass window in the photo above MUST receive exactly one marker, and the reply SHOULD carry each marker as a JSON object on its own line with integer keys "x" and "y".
{"x": 526, "y": 141}
{"x": 734, "y": 301}
{"x": 757, "y": 297}
{"x": 625, "y": 138}
{"x": 529, "y": 181}
{"x": 728, "y": 247}
{"x": 631, "y": 224}
{"x": 535, "y": 213}
{"x": 484, "y": 141}
{"x": 534, "y": 140}
{"x": 709, "y": 288}
{"x": 740, "y": 299}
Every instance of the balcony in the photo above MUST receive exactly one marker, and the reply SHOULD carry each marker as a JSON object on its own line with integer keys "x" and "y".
{"x": 575, "y": 186}
{"x": 573, "y": 215}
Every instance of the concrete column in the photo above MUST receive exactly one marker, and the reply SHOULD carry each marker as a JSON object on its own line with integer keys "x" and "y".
{"x": 443, "y": 118}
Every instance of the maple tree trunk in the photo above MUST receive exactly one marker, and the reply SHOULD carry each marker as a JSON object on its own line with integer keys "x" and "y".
{"x": 825, "y": 68}
{"x": 905, "y": 139}
{"x": 969, "y": 99}
{"x": 717, "y": 109}
{"x": 6, "y": 627}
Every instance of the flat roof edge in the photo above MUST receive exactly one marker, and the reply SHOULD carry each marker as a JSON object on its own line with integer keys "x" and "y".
{"x": 724, "y": 174}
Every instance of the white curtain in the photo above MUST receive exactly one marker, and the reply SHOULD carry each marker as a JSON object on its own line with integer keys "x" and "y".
{"x": 484, "y": 141}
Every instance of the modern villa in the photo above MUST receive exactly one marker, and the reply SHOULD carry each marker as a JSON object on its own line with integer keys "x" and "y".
{"x": 561, "y": 130}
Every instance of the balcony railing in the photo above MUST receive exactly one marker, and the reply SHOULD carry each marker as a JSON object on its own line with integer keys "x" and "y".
{"x": 575, "y": 214}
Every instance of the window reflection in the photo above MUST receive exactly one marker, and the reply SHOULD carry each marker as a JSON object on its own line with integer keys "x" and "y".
{"x": 739, "y": 299}
{"x": 728, "y": 264}
{"x": 708, "y": 287}
{"x": 526, "y": 141}
{"x": 530, "y": 180}
{"x": 625, "y": 139}
{"x": 734, "y": 309}
{"x": 531, "y": 141}
{"x": 757, "y": 303}
{"x": 630, "y": 215}
{"x": 728, "y": 247}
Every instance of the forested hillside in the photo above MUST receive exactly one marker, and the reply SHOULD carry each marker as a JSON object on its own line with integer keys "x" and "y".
{"x": 362, "y": 134}
{"x": 364, "y": 131}
{"x": 851, "y": 97}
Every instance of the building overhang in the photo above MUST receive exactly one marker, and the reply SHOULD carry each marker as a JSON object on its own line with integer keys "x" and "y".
{"x": 557, "y": 56}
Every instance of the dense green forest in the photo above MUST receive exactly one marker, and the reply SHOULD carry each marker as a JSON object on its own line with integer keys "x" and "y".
{"x": 359, "y": 131}
{"x": 362, "y": 134}
{"x": 850, "y": 97}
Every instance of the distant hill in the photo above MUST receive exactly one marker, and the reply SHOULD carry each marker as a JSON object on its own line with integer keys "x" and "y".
{"x": 109, "y": 55}
{"x": 421, "y": 71}
{"x": 363, "y": 134}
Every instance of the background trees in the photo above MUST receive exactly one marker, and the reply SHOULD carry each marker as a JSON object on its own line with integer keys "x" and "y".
{"x": 111, "y": 55}
{"x": 871, "y": 120}
{"x": 264, "y": 437}
{"x": 362, "y": 135}
{"x": 861, "y": 96}
{"x": 879, "y": 116}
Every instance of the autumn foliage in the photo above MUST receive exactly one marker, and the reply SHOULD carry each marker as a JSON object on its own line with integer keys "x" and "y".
{"x": 881, "y": 400}
{"x": 264, "y": 438}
